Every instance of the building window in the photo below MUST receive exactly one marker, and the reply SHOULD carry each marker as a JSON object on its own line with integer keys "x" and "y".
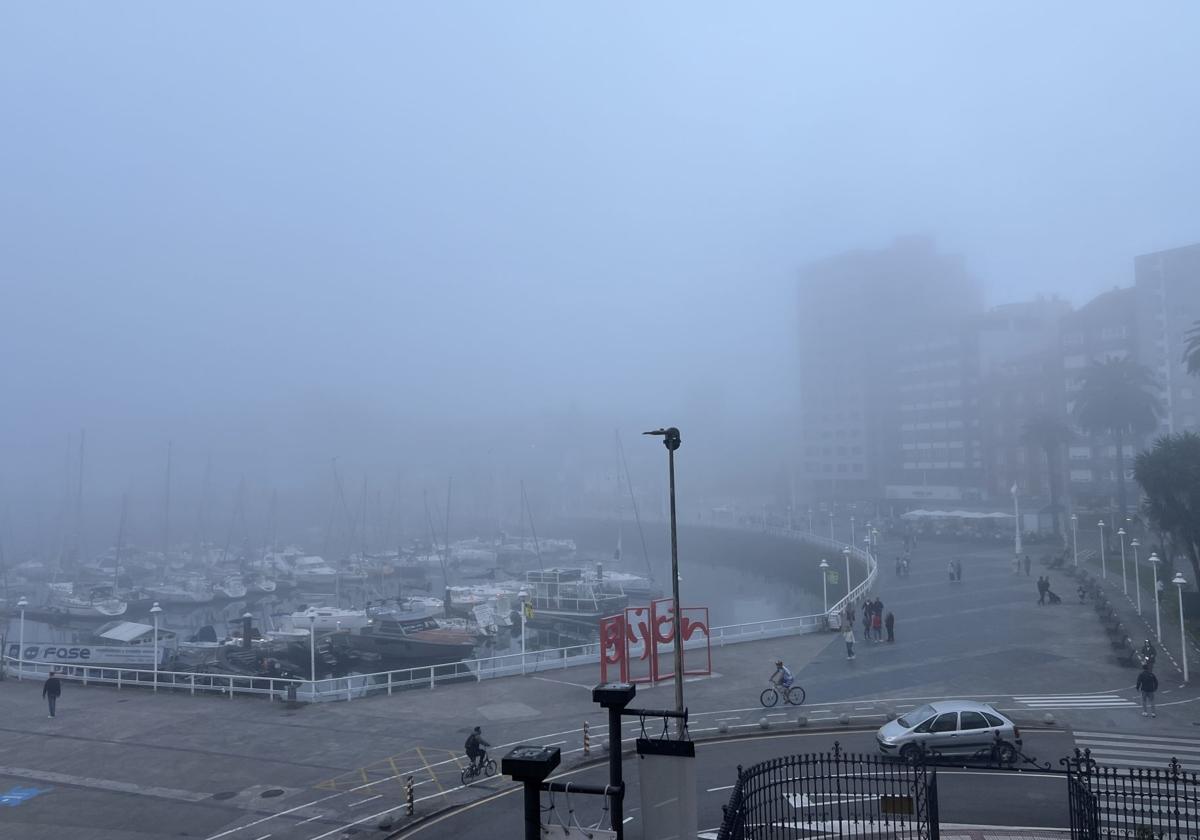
{"x": 841, "y": 468}
{"x": 1081, "y": 476}
{"x": 1075, "y": 361}
{"x": 1108, "y": 333}
{"x": 1072, "y": 339}
{"x": 856, "y": 468}
{"x": 1079, "y": 453}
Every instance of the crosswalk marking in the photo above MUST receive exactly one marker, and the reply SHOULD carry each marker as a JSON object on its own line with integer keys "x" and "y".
{"x": 1074, "y": 701}
{"x": 1120, "y": 750}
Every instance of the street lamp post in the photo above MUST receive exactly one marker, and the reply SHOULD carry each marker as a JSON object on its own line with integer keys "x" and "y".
{"x": 810, "y": 530}
{"x": 852, "y": 537}
{"x": 1075, "y": 538}
{"x": 1124, "y": 580}
{"x": 155, "y": 611}
{"x": 523, "y": 595}
{"x": 824, "y": 567}
{"x": 867, "y": 543}
{"x": 1154, "y": 560}
{"x": 1179, "y": 584}
{"x": 671, "y": 440}
{"x": 312, "y": 651}
{"x": 830, "y": 524}
{"x": 1137, "y": 575}
{"x": 23, "y": 603}
{"x": 846, "y": 554}
{"x": 1017, "y": 526}
{"x": 1103, "y": 559}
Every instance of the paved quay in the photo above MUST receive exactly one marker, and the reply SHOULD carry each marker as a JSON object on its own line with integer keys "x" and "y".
{"x": 118, "y": 765}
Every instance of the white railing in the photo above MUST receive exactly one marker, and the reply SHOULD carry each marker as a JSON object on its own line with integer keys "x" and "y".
{"x": 429, "y": 677}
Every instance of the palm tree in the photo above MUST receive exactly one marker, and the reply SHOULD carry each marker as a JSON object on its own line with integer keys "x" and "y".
{"x": 1191, "y": 353}
{"x": 1117, "y": 398}
{"x": 1049, "y": 434}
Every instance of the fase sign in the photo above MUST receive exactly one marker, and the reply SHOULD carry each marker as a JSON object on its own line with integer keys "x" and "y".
{"x": 85, "y": 654}
{"x": 638, "y": 645}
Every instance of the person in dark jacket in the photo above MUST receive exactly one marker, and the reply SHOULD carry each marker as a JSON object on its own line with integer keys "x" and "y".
{"x": 1147, "y": 684}
{"x": 890, "y": 624}
{"x": 51, "y": 689}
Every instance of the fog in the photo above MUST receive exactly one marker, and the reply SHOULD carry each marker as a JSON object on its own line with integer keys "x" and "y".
{"x": 474, "y": 239}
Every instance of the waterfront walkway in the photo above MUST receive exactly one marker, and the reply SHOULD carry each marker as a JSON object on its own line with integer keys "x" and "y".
{"x": 120, "y": 765}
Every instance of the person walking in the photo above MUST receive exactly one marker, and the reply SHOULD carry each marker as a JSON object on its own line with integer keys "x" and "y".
{"x": 866, "y": 621}
{"x": 1028, "y": 563}
{"x": 848, "y": 637}
{"x": 1147, "y": 684}
{"x": 1041, "y": 586}
{"x": 877, "y": 625}
{"x": 890, "y": 623}
{"x": 958, "y": 570}
{"x": 51, "y": 689}
{"x": 950, "y": 569}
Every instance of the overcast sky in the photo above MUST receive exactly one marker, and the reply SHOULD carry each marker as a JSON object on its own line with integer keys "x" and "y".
{"x": 287, "y": 225}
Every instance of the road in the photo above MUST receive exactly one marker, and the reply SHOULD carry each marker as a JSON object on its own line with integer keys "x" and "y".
{"x": 1015, "y": 799}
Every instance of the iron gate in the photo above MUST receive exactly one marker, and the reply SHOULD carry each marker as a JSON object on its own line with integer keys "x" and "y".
{"x": 1141, "y": 803}
{"x": 834, "y": 794}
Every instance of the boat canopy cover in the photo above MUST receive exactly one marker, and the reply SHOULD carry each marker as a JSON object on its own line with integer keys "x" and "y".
{"x": 127, "y": 631}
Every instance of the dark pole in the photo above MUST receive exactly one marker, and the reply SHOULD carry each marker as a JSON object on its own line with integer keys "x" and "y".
{"x": 678, "y": 622}
{"x": 533, "y": 810}
{"x": 616, "y": 801}
{"x": 671, "y": 440}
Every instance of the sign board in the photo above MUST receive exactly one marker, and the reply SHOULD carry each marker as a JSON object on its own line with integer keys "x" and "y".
{"x": 831, "y": 575}
{"x": 485, "y": 616}
{"x": 638, "y": 646}
{"x": 668, "y": 788}
{"x": 130, "y": 655}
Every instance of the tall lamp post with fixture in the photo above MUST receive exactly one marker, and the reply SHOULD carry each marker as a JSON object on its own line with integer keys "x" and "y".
{"x": 156, "y": 611}
{"x": 852, "y": 535}
{"x": 810, "y": 530}
{"x": 523, "y": 596}
{"x": 22, "y": 603}
{"x": 846, "y": 554}
{"x": 1179, "y": 584}
{"x": 312, "y": 651}
{"x": 1124, "y": 580}
{"x": 1137, "y": 575}
{"x": 1154, "y": 560}
{"x": 672, "y": 440}
{"x": 1103, "y": 559}
{"x": 824, "y": 567}
{"x": 831, "y": 525}
{"x": 1075, "y": 538}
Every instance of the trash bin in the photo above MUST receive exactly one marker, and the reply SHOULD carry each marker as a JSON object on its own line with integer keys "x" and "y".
{"x": 835, "y": 620}
{"x": 291, "y": 692}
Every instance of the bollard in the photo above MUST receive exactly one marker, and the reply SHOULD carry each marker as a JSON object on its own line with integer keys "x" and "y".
{"x": 1048, "y": 719}
{"x": 844, "y": 719}
{"x": 408, "y": 795}
{"x": 722, "y": 727}
{"x": 763, "y": 723}
{"x": 801, "y": 721}
{"x": 587, "y": 742}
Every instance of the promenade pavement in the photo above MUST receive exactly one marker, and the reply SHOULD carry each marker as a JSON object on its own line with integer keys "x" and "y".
{"x": 120, "y": 765}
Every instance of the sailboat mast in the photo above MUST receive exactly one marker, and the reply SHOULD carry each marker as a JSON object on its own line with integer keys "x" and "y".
{"x": 167, "y": 508}
{"x": 636, "y": 516}
{"x": 78, "y": 547}
{"x": 120, "y": 543}
{"x": 537, "y": 549}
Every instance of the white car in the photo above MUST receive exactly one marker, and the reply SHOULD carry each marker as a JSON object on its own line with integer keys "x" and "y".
{"x": 951, "y": 727}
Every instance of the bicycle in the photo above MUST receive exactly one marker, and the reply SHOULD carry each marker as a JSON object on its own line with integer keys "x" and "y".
{"x": 793, "y": 696}
{"x": 484, "y": 767}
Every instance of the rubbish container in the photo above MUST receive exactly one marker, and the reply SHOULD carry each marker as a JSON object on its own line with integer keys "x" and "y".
{"x": 835, "y": 620}
{"x": 291, "y": 692}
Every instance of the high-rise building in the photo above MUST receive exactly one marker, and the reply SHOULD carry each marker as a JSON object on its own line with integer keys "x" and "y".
{"x": 884, "y": 387}
{"x": 1168, "y": 307}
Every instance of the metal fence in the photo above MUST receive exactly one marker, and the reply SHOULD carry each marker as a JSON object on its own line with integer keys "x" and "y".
{"x": 429, "y": 677}
{"x": 1133, "y": 802}
{"x": 833, "y": 794}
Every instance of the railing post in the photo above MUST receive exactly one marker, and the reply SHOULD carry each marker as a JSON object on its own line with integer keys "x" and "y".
{"x": 193, "y": 678}
{"x": 85, "y": 670}
{"x": 349, "y": 693}
{"x": 390, "y": 683}
{"x": 431, "y": 678}
{"x": 271, "y": 688}
{"x": 118, "y": 679}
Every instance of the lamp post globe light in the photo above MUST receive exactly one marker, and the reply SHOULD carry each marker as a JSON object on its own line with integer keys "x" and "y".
{"x": 1124, "y": 580}
{"x": 1137, "y": 575}
{"x": 1075, "y": 538}
{"x": 1179, "y": 582}
{"x": 1154, "y": 560}
{"x": 846, "y": 554}
{"x": 1103, "y": 559}
{"x": 22, "y": 603}
{"x": 523, "y": 596}
{"x": 312, "y": 651}
{"x": 156, "y": 611}
{"x": 824, "y": 567}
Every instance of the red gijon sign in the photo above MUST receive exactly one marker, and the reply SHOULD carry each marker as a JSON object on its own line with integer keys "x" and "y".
{"x": 638, "y": 645}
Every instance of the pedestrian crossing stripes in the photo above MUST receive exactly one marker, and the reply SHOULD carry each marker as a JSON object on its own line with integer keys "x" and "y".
{"x": 1074, "y": 701}
{"x": 1140, "y": 750}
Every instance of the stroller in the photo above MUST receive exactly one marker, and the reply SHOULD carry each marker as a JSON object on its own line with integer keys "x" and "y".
{"x": 1052, "y": 598}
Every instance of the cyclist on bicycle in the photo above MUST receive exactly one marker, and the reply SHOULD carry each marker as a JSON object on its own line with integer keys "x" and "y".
{"x": 475, "y": 748}
{"x": 782, "y": 676}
